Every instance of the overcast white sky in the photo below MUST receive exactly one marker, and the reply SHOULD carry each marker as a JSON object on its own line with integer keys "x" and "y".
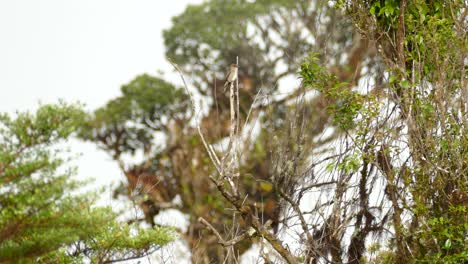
{"x": 80, "y": 50}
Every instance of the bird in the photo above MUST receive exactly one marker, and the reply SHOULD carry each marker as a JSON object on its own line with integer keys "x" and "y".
{"x": 231, "y": 76}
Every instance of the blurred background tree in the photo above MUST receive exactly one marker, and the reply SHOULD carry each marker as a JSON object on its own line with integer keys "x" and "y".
{"x": 43, "y": 216}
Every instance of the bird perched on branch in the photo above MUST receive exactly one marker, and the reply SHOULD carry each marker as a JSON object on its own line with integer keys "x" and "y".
{"x": 231, "y": 76}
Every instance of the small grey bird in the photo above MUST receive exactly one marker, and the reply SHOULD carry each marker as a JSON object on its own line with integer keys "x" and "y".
{"x": 231, "y": 76}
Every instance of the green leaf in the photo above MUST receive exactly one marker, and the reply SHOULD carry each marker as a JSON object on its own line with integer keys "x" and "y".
{"x": 405, "y": 84}
{"x": 448, "y": 244}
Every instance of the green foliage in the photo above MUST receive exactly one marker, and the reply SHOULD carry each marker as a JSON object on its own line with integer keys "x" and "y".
{"x": 315, "y": 75}
{"x": 429, "y": 28}
{"x": 344, "y": 103}
{"x": 386, "y": 10}
{"x": 446, "y": 237}
{"x": 40, "y": 219}
{"x": 128, "y": 122}
{"x": 350, "y": 163}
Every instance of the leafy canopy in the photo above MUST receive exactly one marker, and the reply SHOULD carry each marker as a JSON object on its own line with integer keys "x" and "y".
{"x": 128, "y": 122}
{"x": 41, "y": 220}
